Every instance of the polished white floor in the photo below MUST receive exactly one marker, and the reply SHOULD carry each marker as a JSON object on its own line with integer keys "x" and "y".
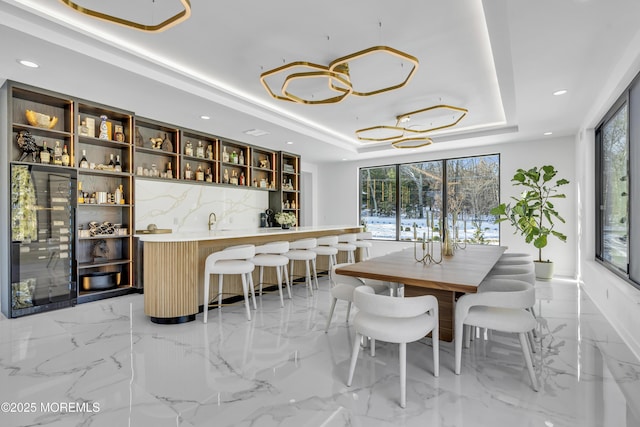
{"x": 281, "y": 369}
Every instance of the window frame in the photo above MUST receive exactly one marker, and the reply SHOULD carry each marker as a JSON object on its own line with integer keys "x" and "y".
{"x": 398, "y": 201}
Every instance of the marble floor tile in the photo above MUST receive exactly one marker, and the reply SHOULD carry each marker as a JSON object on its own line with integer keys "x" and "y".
{"x": 111, "y": 366}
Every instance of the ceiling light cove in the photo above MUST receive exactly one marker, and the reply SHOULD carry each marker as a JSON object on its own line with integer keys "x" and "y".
{"x": 203, "y": 117}
{"x": 256, "y": 132}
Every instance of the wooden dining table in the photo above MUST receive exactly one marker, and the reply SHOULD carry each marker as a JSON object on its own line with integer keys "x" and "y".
{"x": 455, "y": 275}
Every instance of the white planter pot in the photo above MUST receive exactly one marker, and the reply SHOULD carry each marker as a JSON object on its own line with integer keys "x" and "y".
{"x": 544, "y": 270}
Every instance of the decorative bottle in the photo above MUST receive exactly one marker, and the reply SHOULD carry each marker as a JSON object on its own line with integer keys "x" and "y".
{"x": 80, "y": 193}
{"x": 111, "y": 164}
{"x": 241, "y": 158}
{"x": 118, "y": 166}
{"x": 66, "y": 160}
{"x": 209, "y": 177}
{"x": 169, "y": 171}
{"x": 104, "y": 130}
{"x": 188, "y": 149}
{"x": 45, "y": 156}
{"x": 57, "y": 154}
{"x": 225, "y": 155}
{"x": 241, "y": 178}
{"x": 84, "y": 164}
{"x": 210, "y": 152}
{"x": 199, "y": 174}
{"x": 200, "y": 150}
{"x": 234, "y": 157}
{"x": 187, "y": 171}
{"x": 118, "y": 196}
{"x": 225, "y": 177}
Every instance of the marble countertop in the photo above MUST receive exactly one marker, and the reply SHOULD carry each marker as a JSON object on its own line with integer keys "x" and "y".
{"x": 189, "y": 236}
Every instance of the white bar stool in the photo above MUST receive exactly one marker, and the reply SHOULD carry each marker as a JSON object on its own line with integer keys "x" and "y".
{"x": 300, "y": 251}
{"x": 346, "y": 243}
{"x": 326, "y": 247}
{"x": 363, "y": 243}
{"x": 272, "y": 255}
{"x": 232, "y": 260}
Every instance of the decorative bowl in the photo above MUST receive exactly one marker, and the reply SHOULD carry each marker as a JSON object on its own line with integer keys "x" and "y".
{"x": 100, "y": 280}
{"x": 40, "y": 120}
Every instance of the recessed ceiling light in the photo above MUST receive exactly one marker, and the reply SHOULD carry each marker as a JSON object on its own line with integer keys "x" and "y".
{"x": 289, "y": 142}
{"x": 256, "y": 132}
{"x": 29, "y": 64}
{"x": 560, "y": 92}
{"x": 205, "y": 117}
{"x": 344, "y": 160}
{"x": 548, "y": 133}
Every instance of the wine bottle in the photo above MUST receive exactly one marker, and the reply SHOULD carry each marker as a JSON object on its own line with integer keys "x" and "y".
{"x": 83, "y": 161}
{"x": 111, "y": 164}
{"x": 187, "y": 171}
{"x": 80, "y": 193}
{"x": 45, "y": 156}
{"x": 57, "y": 154}
{"x": 118, "y": 166}
{"x": 200, "y": 150}
{"x": 199, "y": 174}
{"x": 66, "y": 161}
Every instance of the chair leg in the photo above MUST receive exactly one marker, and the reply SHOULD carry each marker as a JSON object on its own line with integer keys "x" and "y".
{"x": 403, "y": 374}
{"x": 467, "y": 335}
{"x": 333, "y": 306}
{"x": 261, "y": 279}
{"x": 220, "y": 280}
{"x": 286, "y": 279}
{"x": 532, "y": 341}
{"x": 435, "y": 343}
{"x": 348, "y": 310}
{"x": 207, "y": 277}
{"x": 458, "y": 337}
{"x": 315, "y": 272}
{"x": 527, "y": 358}
{"x": 245, "y": 289}
{"x": 308, "y": 276}
{"x": 354, "y": 358}
{"x": 279, "y": 276}
{"x": 253, "y": 291}
{"x": 373, "y": 347}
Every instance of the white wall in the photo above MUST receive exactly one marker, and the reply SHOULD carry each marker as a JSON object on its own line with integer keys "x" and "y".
{"x": 338, "y": 195}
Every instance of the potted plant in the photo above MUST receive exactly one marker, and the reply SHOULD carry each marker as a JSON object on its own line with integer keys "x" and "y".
{"x": 285, "y": 219}
{"x": 533, "y": 213}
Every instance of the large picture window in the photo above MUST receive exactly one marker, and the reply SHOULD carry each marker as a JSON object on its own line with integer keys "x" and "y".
{"x": 395, "y": 198}
{"x": 617, "y": 198}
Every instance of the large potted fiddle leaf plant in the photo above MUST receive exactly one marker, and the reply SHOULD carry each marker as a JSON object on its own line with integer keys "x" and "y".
{"x": 534, "y": 214}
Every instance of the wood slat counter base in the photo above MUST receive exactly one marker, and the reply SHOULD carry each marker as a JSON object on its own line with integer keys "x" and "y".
{"x": 461, "y": 273}
{"x": 174, "y": 267}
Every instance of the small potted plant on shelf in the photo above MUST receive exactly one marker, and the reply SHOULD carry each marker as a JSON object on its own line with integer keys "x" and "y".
{"x": 285, "y": 219}
{"x": 533, "y": 213}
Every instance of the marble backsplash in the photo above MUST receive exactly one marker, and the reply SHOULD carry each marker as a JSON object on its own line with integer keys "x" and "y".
{"x": 185, "y": 207}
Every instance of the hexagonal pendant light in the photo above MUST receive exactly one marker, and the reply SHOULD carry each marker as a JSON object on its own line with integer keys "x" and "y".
{"x": 167, "y": 23}
{"x": 337, "y": 75}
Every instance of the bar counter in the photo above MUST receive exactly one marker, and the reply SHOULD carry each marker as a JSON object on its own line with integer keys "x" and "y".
{"x": 173, "y": 265}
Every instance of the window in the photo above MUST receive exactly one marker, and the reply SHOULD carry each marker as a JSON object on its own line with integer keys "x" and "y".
{"x": 472, "y": 191}
{"x": 617, "y": 157}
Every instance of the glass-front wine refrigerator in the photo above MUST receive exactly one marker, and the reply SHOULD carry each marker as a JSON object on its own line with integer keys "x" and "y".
{"x": 42, "y": 223}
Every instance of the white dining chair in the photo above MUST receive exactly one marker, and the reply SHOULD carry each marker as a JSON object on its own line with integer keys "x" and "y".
{"x": 231, "y": 260}
{"x": 272, "y": 255}
{"x": 502, "y": 306}
{"x": 342, "y": 288}
{"x": 394, "y": 320}
{"x": 364, "y": 244}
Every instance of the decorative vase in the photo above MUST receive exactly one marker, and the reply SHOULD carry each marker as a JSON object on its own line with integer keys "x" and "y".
{"x": 544, "y": 270}
{"x": 104, "y": 130}
{"x": 285, "y": 226}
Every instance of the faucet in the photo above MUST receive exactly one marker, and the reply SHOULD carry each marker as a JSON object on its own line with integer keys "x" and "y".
{"x": 214, "y": 220}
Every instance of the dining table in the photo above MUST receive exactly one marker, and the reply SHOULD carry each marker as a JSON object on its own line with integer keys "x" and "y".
{"x": 447, "y": 280}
